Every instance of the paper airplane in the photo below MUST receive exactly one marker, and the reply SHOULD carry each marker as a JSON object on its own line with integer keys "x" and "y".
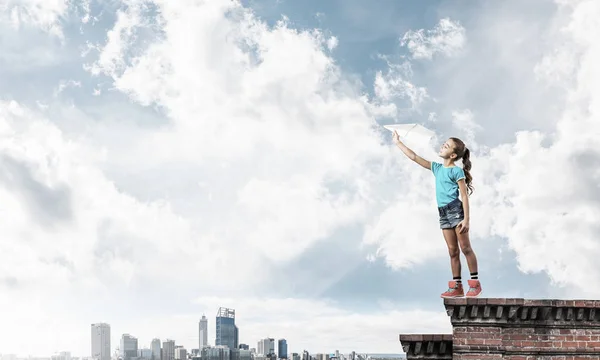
{"x": 414, "y": 132}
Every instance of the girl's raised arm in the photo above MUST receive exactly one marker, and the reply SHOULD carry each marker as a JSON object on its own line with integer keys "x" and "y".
{"x": 411, "y": 154}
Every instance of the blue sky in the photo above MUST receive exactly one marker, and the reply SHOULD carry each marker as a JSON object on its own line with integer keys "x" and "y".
{"x": 161, "y": 159}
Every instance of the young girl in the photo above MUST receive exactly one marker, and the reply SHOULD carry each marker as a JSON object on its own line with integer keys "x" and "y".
{"x": 454, "y": 213}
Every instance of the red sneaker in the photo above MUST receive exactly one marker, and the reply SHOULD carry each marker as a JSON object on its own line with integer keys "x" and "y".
{"x": 455, "y": 290}
{"x": 474, "y": 288}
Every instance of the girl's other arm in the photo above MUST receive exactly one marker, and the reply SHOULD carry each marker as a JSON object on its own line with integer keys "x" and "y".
{"x": 464, "y": 225}
{"x": 411, "y": 154}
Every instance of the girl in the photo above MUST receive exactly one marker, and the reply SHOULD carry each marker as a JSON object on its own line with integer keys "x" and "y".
{"x": 453, "y": 212}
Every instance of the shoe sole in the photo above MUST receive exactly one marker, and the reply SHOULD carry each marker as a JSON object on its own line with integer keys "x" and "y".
{"x": 474, "y": 296}
{"x": 462, "y": 296}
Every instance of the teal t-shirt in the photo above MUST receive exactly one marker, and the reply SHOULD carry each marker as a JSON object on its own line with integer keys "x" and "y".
{"x": 446, "y": 182}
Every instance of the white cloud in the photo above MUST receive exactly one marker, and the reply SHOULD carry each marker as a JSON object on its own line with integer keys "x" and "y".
{"x": 332, "y": 43}
{"x": 447, "y": 37}
{"x": 394, "y": 85}
{"x": 466, "y": 127}
{"x": 43, "y": 14}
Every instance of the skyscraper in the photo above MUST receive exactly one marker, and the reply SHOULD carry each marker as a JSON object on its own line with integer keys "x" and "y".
{"x": 129, "y": 347}
{"x": 226, "y": 331}
{"x": 155, "y": 347}
{"x": 203, "y": 332}
{"x": 168, "y": 350}
{"x": 180, "y": 353}
{"x": 282, "y": 349}
{"x": 266, "y": 346}
{"x": 101, "y": 341}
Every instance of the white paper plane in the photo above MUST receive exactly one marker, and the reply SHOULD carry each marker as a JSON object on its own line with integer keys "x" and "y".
{"x": 414, "y": 132}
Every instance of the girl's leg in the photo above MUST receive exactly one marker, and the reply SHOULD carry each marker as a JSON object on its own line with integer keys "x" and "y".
{"x": 467, "y": 250}
{"x": 453, "y": 250}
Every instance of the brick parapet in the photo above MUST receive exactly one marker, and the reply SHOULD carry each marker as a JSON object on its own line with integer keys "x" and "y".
{"x": 521, "y": 312}
{"x": 524, "y": 329}
{"x": 427, "y": 346}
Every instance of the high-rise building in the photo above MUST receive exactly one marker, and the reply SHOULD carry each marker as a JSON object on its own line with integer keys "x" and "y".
{"x": 145, "y": 354}
{"x": 101, "y": 341}
{"x": 203, "y": 332}
{"x": 240, "y": 354}
{"x": 180, "y": 353}
{"x": 266, "y": 346}
{"x": 129, "y": 347}
{"x": 282, "y": 350}
{"x": 226, "y": 331}
{"x": 219, "y": 352}
{"x": 155, "y": 347}
{"x": 168, "y": 350}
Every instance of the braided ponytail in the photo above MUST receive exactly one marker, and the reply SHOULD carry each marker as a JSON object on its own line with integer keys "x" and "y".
{"x": 466, "y": 160}
{"x": 462, "y": 152}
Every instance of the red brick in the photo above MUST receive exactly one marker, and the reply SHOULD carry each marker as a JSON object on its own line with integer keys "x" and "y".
{"x": 477, "y": 357}
{"x": 523, "y": 329}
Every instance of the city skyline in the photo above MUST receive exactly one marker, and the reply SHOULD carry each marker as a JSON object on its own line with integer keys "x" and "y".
{"x": 129, "y": 344}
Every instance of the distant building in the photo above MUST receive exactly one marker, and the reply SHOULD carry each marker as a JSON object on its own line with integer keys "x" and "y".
{"x": 266, "y": 347}
{"x": 180, "y": 353}
{"x": 101, "y": 341}
{"x": 168, "y": 350}
{"x": 203, "y": 332}
{"x": 145, "y": 354}
{"x": 226, "y": 330}
{"x": 244, "y": 347}
{"x": 129, "y": 347}
{"x": 155, "y": 347}
{"x": 216, "y": 353}
{"x": 282, "y": 351}
{"x": 195, "y": 352}
{"x": 240, "y": 354}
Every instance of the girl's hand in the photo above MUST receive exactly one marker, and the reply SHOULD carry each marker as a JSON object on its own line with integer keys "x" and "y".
{"x": 463, "y": 226}
{"x": 396, "y": 137}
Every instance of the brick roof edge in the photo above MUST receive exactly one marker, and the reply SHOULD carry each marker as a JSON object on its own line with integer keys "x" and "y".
{"x": 527, "y": 312}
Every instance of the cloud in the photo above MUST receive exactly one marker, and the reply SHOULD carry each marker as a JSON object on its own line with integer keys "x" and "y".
{"x": 447, "y": 38}
{"x": 466, "y": 127}
{"x": 393, "y": 86}
{"x": 46, "y": 15}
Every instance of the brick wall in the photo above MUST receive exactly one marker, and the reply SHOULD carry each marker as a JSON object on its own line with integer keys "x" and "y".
{"x": 427, "y": 347}
{"x": 519, "y": 329}
{"x": 524, "y": 329}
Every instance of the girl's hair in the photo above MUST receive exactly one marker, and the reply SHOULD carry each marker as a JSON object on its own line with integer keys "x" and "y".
{"x": 462, "y": 152}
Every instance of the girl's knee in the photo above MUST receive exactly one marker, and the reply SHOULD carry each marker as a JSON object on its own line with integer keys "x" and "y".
{"x": 467, "y": 250}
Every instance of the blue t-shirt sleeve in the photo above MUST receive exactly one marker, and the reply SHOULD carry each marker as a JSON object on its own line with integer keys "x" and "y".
{"x": 434, "y": 167}
{"x": 458, "y": 173}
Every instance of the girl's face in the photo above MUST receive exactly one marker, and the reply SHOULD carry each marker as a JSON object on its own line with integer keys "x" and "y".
{"x": 447, "y": 150}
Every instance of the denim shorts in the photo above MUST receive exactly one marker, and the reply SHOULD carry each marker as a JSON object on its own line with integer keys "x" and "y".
{"x": 451, "y": 214}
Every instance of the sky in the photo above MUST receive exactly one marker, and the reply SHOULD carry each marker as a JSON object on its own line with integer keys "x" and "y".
{"x": 160, "y": 159}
